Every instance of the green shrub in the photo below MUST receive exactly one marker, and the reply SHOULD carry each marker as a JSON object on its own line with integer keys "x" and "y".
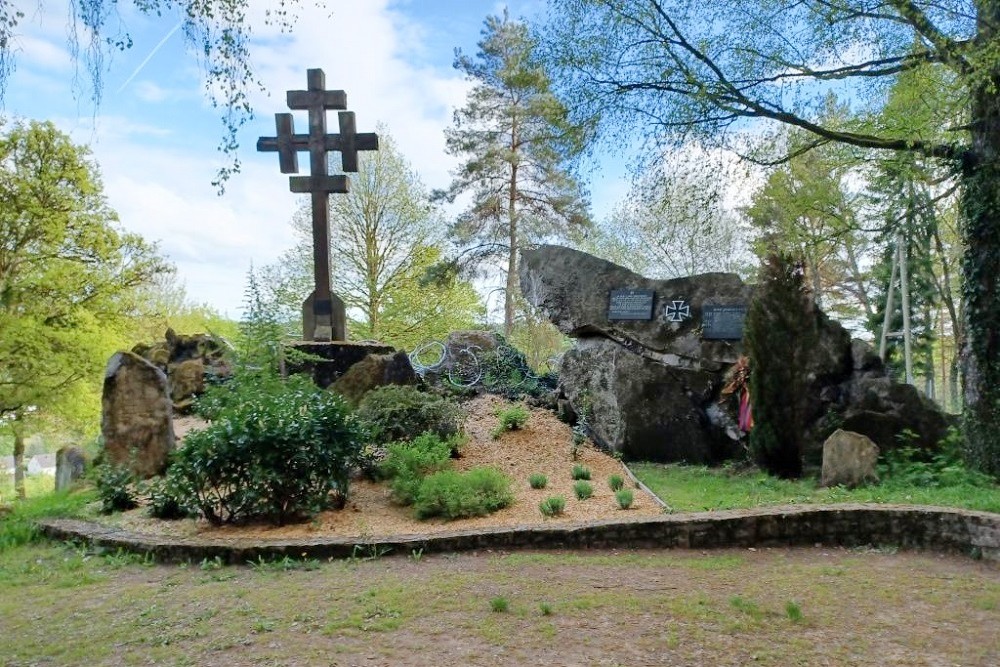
{"x": 581, "y": 472}
{"x": 164, "y": 500}
{"x": 454, "y": 495}
{"x": 505, "y": 371}
{"x": 552, "y": 506}
{"x": 616, "y": 482}
{"x": 938, "y": 468}
{"x": 583, "y": 490}
{"x": 116, "y": 488}
{"x": 277, "y": 453}
{"x": 537, "y": 480}
{"x": 397, "y": 413}
{"x": 407, "y": 463}
{"x": 499, "y": 604}
{"x": 510, "y": 419}
{"x": 624, "y": 498}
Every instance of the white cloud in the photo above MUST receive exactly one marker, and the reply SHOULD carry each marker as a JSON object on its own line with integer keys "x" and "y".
{"x": 41, "y": 53}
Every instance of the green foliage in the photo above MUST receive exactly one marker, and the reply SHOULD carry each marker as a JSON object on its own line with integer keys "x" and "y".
{"x": 116, "y": 487}
{"x": 552, "y": 506}
{"x": 277, "y": 451}
{"x": 505, "y": 371}
{"x": 68, "y": 275}
{"x": 18, "y": 528}
{"x": 454, "y": 495}
{"x": 624, "y": 498}
{"x": 396, "y": 413}
{"x": 748, "y": 607}
{"x": 407, "y": 463}
{"x": 583, "y": 490}
{"x": 510, "y": 419}
{"x": 545, "y": 608}
{"x": 793, "y": 611}
{"x": 940, "y": 468}
{"x": 163, "y": 500}
{"x": 581, "y": 472}
{"x": 499, "y": 604}
{"x": 696, "y": 488}
{"x": 781, "y": 332}
{"x": 616, "y": 482}
{"x": 537, "y": 480}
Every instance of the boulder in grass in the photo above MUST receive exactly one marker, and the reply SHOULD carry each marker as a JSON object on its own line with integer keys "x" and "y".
{"x": 849, "y": 460}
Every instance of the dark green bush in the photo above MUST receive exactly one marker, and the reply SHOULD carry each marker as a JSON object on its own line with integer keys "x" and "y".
{"x": 781, "y": 333}
{"x": 397, "y": 413}
{"x": 581, "y": 472}
{"x": 454, "y": 495}
{"x": 407, "y": 463}
{"x": 277, "y": 450}
{"x": 116, "y": 488}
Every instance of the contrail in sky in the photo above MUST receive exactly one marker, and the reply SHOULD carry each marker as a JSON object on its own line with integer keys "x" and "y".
{"x": 150, "y": 56}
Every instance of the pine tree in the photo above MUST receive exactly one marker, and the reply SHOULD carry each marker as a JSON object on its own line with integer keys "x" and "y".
{"x": 514, "y": 136}
{"x": 781, "y": 330}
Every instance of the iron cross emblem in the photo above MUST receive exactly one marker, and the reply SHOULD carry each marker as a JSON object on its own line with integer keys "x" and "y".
{"x": 677, "y": 311}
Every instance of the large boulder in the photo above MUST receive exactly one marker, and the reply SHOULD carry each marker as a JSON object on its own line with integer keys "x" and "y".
{"x": 573, "y": 290}
{"x": 849, "y": 460}
{"x": 648, "y": 410}
{"x": 375, "y": 370}
{"x": 651, "y": 386}
{"x": 136, "y": 415}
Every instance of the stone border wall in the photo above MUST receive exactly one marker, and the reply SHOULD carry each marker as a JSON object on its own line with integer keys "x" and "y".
{"x": 959, "y": 531}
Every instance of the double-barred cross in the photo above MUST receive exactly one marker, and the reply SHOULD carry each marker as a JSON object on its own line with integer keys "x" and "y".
{"x": 323, "y": 313}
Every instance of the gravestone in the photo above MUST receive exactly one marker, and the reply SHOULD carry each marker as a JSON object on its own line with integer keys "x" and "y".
{"x": 71, "y": 463}
{"x": 323, "y": 314}
{"x": 136, "y": 415}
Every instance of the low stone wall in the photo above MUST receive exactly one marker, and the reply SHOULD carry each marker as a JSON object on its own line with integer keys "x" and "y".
{"x": 973, "y": 533}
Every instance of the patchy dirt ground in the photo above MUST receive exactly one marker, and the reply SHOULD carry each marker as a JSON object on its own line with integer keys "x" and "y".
{"x": 542, "y": 446}
{"x": 778, "y": 607}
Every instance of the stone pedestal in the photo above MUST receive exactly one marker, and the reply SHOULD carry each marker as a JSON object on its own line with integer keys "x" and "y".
{"x": 329, "y": 360}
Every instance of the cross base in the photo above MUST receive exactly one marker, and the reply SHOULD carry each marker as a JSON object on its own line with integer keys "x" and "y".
{"x": 325, "y": 324}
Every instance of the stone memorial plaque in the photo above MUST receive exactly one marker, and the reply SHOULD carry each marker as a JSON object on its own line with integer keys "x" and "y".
{"x": 630, "y": 304}
{"x": 722, "y": 322}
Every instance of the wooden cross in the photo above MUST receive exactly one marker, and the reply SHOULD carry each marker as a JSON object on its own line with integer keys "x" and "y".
{"x": 323, "y": 314}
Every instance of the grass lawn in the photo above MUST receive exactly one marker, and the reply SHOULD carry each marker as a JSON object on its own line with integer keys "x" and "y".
{"x": 697, "y": 488}
{"x": 65, "y": 606}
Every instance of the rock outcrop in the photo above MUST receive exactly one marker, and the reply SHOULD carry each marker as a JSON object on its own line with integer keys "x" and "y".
{"x": 188, "y": 360}
{"x": 136, "y": 415}
{"x": 651, "y": 386}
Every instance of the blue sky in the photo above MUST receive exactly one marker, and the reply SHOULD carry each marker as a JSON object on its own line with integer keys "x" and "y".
{"x": 155, "y": 135}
